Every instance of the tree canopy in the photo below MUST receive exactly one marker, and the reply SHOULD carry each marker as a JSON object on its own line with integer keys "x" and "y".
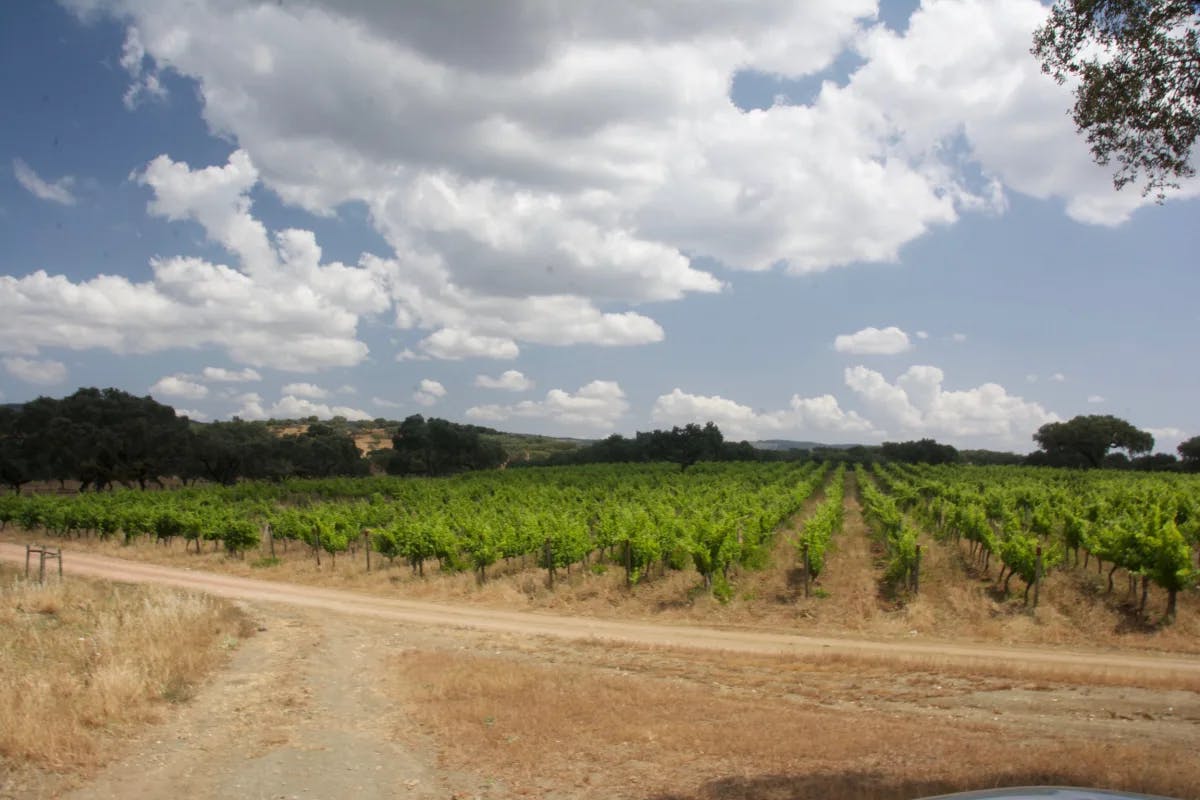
{"x": 438, "y": 447}
{"x": 104, "y": 436}
{"x": 1085, "y": 440}
{"x": 1137, "y": 63}
{"x": 1189, "y": 453}
{"x": 924, "y": 451}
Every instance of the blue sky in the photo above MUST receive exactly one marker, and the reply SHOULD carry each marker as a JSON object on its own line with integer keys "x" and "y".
{"x": 838, "y": 221}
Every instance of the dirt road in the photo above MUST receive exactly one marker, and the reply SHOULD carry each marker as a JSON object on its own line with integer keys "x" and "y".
{"x": 577, "y": 628}
{"x": 344, "y": 694}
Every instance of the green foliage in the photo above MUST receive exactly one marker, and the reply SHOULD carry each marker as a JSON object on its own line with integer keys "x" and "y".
{"x": 1085, "y": 440}
{"x": 823, "y": 525}
{"x": 438, "y": 447}
{"x": 1189, "y": 453}
{"x": 887, "y": 523}
{"x": 1136, "y": 66}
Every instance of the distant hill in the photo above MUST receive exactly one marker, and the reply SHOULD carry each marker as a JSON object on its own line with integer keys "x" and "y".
{"x": 789, "y": 444}
{"x": 532, "y": 447}
{"x": 377, "y": 435}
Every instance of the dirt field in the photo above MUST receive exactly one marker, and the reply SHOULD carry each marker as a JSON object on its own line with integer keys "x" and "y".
{"x": 344, "y": 694}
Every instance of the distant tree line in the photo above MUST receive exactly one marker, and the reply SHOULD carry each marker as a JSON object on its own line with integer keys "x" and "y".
{"x": 102, "y": 437}
{"x": 437, "y": 447}
{"x": 684, "y": 446}
{"x": 106, "y": 437}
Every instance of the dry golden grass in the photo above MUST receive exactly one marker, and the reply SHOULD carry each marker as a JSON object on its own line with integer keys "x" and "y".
{"x": 576, "y": 731}
{"x": 81, "y": 660}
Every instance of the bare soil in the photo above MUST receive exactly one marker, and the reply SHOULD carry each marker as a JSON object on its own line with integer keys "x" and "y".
{"x": 348, "y": 694}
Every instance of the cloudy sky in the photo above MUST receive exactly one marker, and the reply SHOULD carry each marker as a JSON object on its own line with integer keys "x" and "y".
{"x": 836, "y": 220}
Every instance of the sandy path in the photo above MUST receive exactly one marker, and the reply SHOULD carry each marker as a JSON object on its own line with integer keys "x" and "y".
{"x": 296, "y": 715}
{"x": 566, "y": 627}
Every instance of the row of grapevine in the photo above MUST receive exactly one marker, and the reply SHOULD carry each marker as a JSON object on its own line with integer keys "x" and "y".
{"x": 1039, "y": 519}
{"x": 886, "y": 521}
{"x": 821, "y": 527}
{"x": 711, "y": 517}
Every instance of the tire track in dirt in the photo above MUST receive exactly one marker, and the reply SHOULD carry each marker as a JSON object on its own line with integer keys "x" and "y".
{"x": 644, "y": 633}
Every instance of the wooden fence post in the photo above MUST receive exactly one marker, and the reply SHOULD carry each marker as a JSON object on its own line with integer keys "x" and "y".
{"x": 367, "y": 546}
{"x": 1037, "y": 577}
{"x": 807, "y": 570}
{"x": 915, "y": 578}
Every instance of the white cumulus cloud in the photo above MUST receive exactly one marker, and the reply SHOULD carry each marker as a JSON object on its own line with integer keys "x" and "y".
{"x": 292, "y": 407}
{"x": 1167, "y": 438}
{"x": 526, "y": 175}
{"x": 820, "y": 416}
{"x": 454, "y": 344}
{"x": 918, "y": 404}
{"x": 598, "y": 404}
{"x": 223, "y": 375}
{"x": 179, "y": 386}
{"x": 428, "y": 392}
{"x": 1095, "y": 399}
{"x": 873, "y": 341}
{"x": 30, "y": 370}
{"x": 309, "y": 390}
{"x": 510, "y": 380}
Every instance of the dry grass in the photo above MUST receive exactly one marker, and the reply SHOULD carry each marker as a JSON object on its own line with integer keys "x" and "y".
{"x": 570, "y": 730}
{"x": 82, "y": 660}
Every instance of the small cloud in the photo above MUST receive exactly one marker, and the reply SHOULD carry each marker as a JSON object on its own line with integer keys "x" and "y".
{"x": 597, "y": 405}
{"x": 250, "y": 406}
{"x": 1095, "y": 398}
{"x": 199, "y": 416}
{"x": 309, "y": 390}
{"x": 1167, "y": 433}
{"x": 382, "y": 403}
{"x": 1031, "y": 378}
{"x": 145, "y": 82}
{"x": 34, "y": 371}
{"x": 346, "y": 388}
{"x": 429, "y": 392}
{"x": 922, "y": 335}
{"x": 958, "y": 337}
{"x": 57, "y": 192}
{"x": 409, "y": 355}
{"x": 292, "y": 407}
{"x": 873, "y": 341}
{"x": 1058, "y": 377}
{"x": 222, "y": 375}
{"x": 453, "y": 344}
{"x": 510, "y": 381}
{"x": 179, "y": 386}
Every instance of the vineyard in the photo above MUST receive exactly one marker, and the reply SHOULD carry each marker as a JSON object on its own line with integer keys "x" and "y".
{"x": 719, "y": 522}
{"x": 711, "y": 518}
